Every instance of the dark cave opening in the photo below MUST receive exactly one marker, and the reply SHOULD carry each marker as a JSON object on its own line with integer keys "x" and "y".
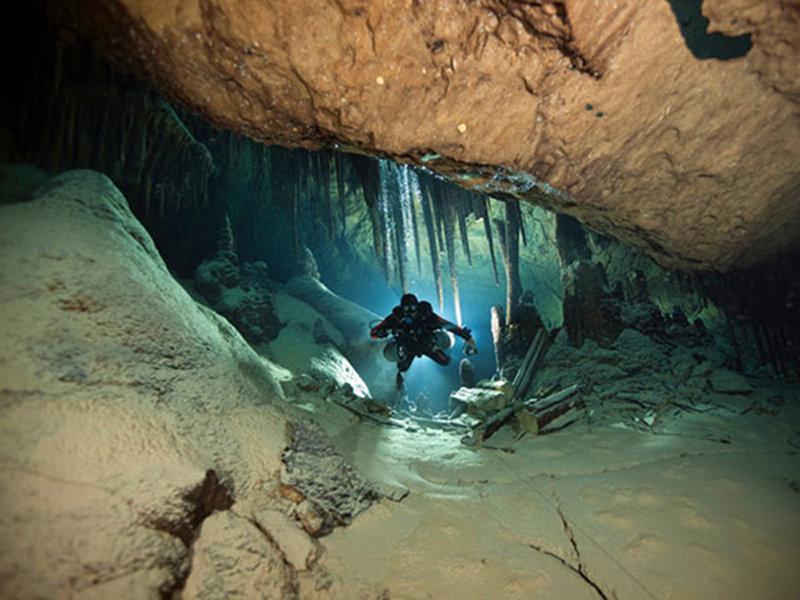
{"x": 702, "y": 44}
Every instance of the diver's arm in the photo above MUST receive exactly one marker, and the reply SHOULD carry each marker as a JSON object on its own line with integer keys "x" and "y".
{"x": 470, "y": 346}
{"x": 462, "y": 332}
{"x": 382, "y": 329}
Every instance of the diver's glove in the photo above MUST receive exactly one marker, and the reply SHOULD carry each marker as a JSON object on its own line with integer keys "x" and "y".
{"x": 470, "y": 346}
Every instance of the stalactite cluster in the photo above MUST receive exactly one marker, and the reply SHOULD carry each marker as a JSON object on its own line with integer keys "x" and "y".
{"x": 163, "y": 163}
{"x": 141, "y": 144}
{"x": 72, "y": 110}
{"x": 85, "y": 116}
{"x": 760, "y": 311}
{"x": 399, "y": 196}
{"x": 762, "y": 308}
{"x": 508, "y": 232}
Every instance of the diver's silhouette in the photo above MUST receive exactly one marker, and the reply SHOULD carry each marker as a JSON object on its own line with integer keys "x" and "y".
{"x": 418, "y": 331}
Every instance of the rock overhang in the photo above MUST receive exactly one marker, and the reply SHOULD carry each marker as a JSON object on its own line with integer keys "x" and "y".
{"x": 600, "y": 111}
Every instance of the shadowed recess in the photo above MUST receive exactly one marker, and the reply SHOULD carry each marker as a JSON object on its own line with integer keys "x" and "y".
{"x": 694, "y": 26}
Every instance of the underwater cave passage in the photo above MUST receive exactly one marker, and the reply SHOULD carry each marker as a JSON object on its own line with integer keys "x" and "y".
{"x": 215, "y": 427}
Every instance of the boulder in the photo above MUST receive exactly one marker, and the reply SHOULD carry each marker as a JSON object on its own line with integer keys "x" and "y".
{"x": 353, "y": 322}
{"x": 232, "y": 558}
{"x": 128, "y": 412}
{"x": 724, "y": 381}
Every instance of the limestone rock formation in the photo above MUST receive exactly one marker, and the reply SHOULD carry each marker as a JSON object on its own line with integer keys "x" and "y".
{"x": 309, "y": 344}
{"x": 622, "y": 114}
{"x": 130, "y": 415}
{"x": 352, "y": 321}
{"x": 240, "y": 293}
{"x": 232, "y": 558}
{"x": 316, "y": 474}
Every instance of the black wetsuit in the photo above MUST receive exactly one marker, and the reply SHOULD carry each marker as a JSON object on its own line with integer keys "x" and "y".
{"x": 416, "y": 335}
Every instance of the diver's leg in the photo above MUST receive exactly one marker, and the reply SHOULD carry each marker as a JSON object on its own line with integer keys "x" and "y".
{"x": 402, "y": 367}
{"x": 405, "y": 362}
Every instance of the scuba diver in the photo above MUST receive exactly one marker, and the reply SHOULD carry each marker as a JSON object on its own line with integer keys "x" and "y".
{"x": 418, "y": 331}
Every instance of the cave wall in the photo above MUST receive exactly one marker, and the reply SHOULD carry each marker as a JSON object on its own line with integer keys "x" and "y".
{"x": 621, "y": 114}
{"x": 753, "y": 314}
{"x": 72, "y": 109}
{"x": 189, "y": 183}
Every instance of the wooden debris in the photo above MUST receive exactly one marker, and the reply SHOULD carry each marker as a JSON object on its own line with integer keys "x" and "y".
{"x": 552, "y": 401}
{"x": 505, "y": 408}
{"x": 528, "y": 422}
{"x": 480, "y": 401}
{"x": 366, "y": 415}
{"x": 530, "y": 364}
{"x": 553, "y": 412}
{"x": 536, "y": 415}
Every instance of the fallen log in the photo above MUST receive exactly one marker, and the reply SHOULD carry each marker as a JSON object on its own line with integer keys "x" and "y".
{"x": 540, "y": 405}
{"x": 539, "y": 413}
{"x": 548, "y": 412}
{"x": 530, "y": 364}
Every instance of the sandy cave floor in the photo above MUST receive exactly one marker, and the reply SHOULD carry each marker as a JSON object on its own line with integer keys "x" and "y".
{"x": 588, "y": 512}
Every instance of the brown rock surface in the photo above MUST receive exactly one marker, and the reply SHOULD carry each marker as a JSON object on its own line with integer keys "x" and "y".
{"x": 694, "y": 160}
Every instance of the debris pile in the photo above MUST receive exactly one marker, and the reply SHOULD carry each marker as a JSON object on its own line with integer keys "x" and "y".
{"x": 327, "y": 489}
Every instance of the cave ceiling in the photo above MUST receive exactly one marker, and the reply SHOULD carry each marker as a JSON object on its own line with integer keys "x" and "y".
{"x": 673, "y": 131}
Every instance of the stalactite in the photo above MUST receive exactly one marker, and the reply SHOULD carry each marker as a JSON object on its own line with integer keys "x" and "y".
{"x": 513, "y": 281}
{"x": 485, "y": 213}
{"x": 436, "y": 203}
{"x": 385, "y": 242}
{"x": 521, "y": 221}
{"x": 340, "y": 197}
{"x": 734, "y": 343}
{"x": 392, "y": 207}
{"x": 427, "y": 214}
{"x": 449, "y": 236}
{"x": 405, "y": 196}
{"x": 792, "y": 341}
{"x": 461, "y": 214}
{"x": 307, "y": 185}
{"x": 439, "y": 217}
{"x": 369, "y": 177}
{"x": 325, "y": 183}
{"x": 316, "y": 201}
{"x": 774, "y": 351}
{"x": 415, "y": 198}
{"x": 71, "y": 119}
{"x": 161, "y": 202}
{"x": 387, "y": 221}
{"x": 507, "y": 233}
{"x": 294, "y": 218}
{"x": 399, "y": 243}
{"x": 758, "y": 334}
{"x": 780, "y": 342}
